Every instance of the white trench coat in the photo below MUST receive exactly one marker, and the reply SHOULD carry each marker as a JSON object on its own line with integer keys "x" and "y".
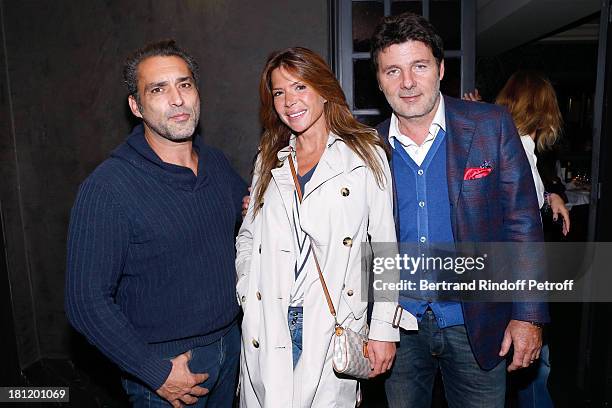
{"x": 338, "y": 223}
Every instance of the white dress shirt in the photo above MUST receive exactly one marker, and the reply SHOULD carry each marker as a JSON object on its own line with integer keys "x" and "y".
{"x": 529, "y": 146}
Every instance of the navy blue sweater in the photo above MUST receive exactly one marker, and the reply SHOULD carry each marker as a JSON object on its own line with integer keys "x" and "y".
{"x": 150, "y": 267}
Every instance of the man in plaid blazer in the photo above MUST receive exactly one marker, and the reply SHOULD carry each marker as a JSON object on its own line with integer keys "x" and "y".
{"x": 485, "y": 194}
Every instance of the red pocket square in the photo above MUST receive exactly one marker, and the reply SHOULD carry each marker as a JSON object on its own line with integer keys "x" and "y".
{"x": 473, "y": 173}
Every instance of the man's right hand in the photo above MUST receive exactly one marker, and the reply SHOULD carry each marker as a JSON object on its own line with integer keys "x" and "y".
{"x": 181, "y": 386}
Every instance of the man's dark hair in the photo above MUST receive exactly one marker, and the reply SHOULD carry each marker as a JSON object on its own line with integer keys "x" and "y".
{"x": 402, "y": 28}
{"x": 164, "y": 48}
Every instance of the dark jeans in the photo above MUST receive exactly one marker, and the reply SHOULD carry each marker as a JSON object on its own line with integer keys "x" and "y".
{"x": 295, "y": 318}
{"x": 219, "y": 359}
{"x": 418, "y": 358}
{"x": 531, "y": 383}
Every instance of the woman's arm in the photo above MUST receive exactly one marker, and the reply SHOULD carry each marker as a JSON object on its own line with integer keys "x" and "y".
{"x": 558, "y": 208}
{"x": 381, "y": 229}
{"x": 244, "y": 240}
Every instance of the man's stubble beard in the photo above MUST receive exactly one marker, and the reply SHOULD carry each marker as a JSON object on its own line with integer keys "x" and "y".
{"x": 174, "y": 135}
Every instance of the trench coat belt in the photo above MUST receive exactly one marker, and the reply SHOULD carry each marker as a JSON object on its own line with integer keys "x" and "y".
{"x": 404, "y": 319}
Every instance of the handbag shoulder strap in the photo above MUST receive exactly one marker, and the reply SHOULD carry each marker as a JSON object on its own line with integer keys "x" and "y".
{"x": 298, "y": 189}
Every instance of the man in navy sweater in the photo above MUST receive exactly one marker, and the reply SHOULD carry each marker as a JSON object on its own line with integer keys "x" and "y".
{"x": 150, "y": 267}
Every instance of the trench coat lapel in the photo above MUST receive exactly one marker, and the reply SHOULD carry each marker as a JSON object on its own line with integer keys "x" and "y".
{"x": 284, "y": 180}
{"x": 330, "y": 165}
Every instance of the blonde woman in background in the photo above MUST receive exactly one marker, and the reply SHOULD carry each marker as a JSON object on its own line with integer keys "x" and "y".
{"x": 532, "y": 102}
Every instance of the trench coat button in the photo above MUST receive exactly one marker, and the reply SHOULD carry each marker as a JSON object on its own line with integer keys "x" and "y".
{"x": 255, "y": 343}
{"x": 260, "y": 248}
{"x": 344, "y": 191}
{"x": 258, "y": 296}
{"x": 350, "y": 292}
{"x": 243, "y": 299}
{"x": 347, "y": 241}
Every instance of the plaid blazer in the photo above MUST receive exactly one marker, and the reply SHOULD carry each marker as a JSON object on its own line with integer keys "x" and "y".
{"x": 500, "y": 207}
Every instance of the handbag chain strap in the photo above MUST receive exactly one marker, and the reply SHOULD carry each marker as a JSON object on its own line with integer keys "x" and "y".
{"x": 330, "y": 304}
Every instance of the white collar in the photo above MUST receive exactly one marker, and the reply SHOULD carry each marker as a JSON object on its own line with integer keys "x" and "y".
{"x": 529, "y": 143}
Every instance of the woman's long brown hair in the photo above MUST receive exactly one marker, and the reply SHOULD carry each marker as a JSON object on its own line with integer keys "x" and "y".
{"x": 313, "y": 70}
{"x": 532, "y": 102}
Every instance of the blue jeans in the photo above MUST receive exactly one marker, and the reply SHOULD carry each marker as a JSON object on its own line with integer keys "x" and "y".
{"x": 295, "y": 318}
{"x": 531, "y": 383}
{"x": 420, "y": 354}
{"x": 219, "y": 359}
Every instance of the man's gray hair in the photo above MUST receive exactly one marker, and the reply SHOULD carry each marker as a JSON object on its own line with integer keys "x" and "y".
{"x": 164, "y": 48}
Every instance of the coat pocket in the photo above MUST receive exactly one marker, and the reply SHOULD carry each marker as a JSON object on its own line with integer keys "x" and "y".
{"x": 357, "y": 307}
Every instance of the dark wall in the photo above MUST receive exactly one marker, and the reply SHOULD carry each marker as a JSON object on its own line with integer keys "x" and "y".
{"x": 9, "y": 368}
{"x": 570, "y": 66}
{"x": 21, "y": 314}
{"x": 64, "y": 109}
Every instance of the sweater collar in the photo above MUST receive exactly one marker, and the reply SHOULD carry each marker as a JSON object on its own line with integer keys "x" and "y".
{"x": 139, "y": 153}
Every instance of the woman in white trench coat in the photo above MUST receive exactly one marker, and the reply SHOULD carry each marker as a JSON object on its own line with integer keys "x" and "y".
{"x": 348, "y": 197}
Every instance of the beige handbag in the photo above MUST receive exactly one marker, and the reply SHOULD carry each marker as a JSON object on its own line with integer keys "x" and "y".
{"x": 350, "y": 356}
